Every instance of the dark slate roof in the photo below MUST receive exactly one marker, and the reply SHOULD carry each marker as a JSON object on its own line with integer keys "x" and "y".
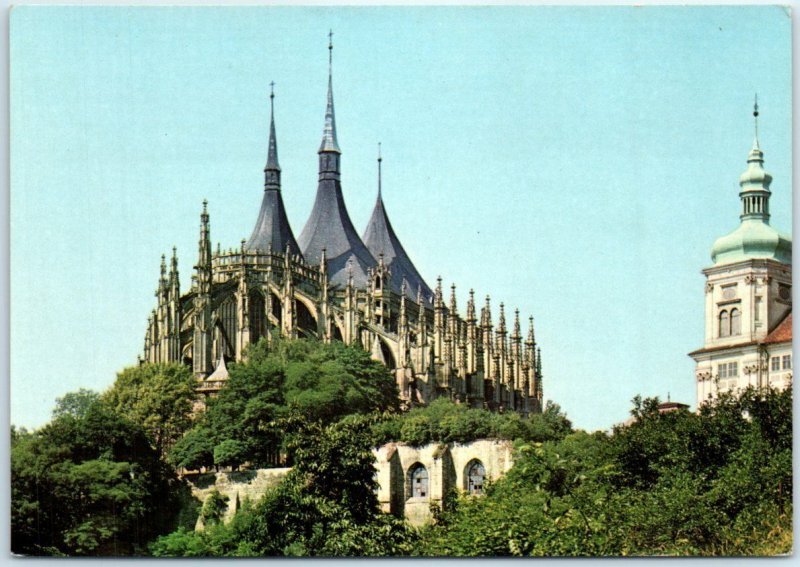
{"x": 272, "y": 227}
{"x": 330, "y": 227}
{"x": 380, "y": 238}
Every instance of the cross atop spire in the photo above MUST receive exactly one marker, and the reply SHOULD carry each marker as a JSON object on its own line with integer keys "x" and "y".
{"x": 272, "y": 169}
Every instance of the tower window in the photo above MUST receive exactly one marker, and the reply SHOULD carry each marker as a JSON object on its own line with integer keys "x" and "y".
{"x": 724, "y": 324}
{"x": 736, "y": 322}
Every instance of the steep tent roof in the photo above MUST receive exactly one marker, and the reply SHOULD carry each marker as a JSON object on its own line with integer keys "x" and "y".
{"x": 272, "y": 230}
{"x": 380, "y": 238}
{"x": 329, "y": 226}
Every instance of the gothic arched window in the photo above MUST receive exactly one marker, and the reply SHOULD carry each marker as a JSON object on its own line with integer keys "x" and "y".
{"x": 724, "y": 324}
{"x": 476, "y": 474}
{"x": 736, "y": 322}
{"x": 418, "y": 477}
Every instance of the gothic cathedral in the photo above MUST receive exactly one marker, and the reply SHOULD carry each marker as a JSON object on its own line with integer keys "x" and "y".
{"x": 330, "y": 284}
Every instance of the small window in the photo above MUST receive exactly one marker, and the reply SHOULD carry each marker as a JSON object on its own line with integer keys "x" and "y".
{"x": 776, "y": 363}
{"x": 787, "y": 362}
{"x": 724, "y": 324}
{"x": 419, "y": 481}
{"x": 736, "y": 322}
{"x": 723, "y": 371}
{"x": 475, "y": 477}
{"x": 733, "y": 369}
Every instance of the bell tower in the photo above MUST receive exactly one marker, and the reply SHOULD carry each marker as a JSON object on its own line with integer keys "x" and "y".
{"x": 747, "y": 291}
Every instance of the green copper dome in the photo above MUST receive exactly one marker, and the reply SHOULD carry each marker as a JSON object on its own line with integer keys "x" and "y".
{"x": 754, "y": 238}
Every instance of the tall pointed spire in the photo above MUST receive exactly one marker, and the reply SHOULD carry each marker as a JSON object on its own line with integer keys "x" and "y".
{"x": 272, "y": 170}
{"x": 272, "y": 230}
{"x": 329, "y": 142}
{"x": 380, "y": 239}
{"x": 329, "y": 225}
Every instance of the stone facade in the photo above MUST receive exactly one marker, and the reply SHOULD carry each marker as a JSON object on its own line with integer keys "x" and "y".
{"x": 237, "y": 486}
{"x": 748, "y": 298}
{"x": 412, "y": 479}
{"x": 448, "y": 468}
{"x": 330, "y": 284}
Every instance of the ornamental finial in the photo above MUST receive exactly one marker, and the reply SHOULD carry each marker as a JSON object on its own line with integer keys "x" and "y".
{"x": 330, "y": 49}
{"x": 755, "y": 117}
{"x": 380, "y": 159}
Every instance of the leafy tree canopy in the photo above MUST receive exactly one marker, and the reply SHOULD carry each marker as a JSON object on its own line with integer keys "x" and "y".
{"x": 89, "y": 483}
{"x": 159, "y": 397}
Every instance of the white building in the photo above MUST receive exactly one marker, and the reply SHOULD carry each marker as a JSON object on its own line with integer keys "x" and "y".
{"x": 748, "y": 308}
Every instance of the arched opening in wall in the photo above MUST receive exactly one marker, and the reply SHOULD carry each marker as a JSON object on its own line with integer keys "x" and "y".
{"x": 228, "y": 328}
{"x": 391, "y": 363}
{"x": 736, "y": 322}
{"x": 257, "y": 316}
{"x": 417, "y": 483}
{"x": 724, "y": 324}
{"x": 474, "y": 477}
{"x": 306, "y": 323}
{"x": 378, "y": 283}
{"x": 337, "y": 333}
{"x": 277, "y": 312}
{"x": 187, "y": 361}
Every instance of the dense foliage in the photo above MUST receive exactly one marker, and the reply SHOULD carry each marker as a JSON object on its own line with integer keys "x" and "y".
{"x": 322, "y": 382}
{"x": 88, "y": 483}
{"x": 158, "y": 397}
{"x": 714, "y": 483}
{"x": 95, "y": 480}
{"x": 325, "y": 506}
{"x": 445, "y": 422}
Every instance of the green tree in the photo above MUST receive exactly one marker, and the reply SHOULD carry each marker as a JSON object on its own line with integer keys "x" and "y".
{"x": 159, "y": 397}
{"x": 89, "y": 484}
{"x": 75, "y": 403}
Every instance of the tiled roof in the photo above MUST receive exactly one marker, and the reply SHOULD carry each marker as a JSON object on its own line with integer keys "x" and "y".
{"x": 722, "y": 347}
{"x": 782, "y": 333}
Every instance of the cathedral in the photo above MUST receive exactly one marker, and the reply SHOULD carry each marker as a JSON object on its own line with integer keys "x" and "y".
{"x": 748, "y": 297}
{"x": 331, "y": 284}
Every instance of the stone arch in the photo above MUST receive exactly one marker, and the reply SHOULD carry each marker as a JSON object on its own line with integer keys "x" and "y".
{"x": 257, "y": 315}
{"x": 310, "y": 304}
{"x": 388, "y": 354}
{"x": 474, "y": 477}
{"x": 228, "y": 327}
{"x": 417, "y": 481}
{"x": 306, "y": 322}
{"x": 336, "y": 332}
{"x": 276, "y": 311}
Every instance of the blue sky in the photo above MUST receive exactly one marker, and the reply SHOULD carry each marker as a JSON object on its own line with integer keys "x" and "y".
{"x": 576, "y": 163}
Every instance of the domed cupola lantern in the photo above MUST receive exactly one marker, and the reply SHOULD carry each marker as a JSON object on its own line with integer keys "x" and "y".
{"x": 754, "y": 238}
